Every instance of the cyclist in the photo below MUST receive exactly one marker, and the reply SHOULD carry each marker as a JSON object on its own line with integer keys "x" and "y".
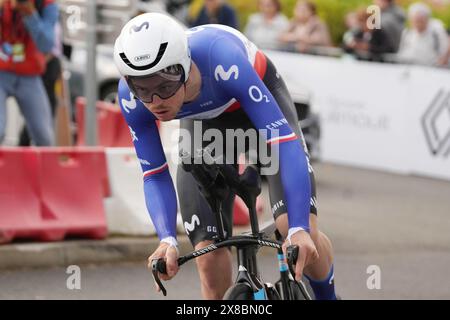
{"x": 215, "y": 75}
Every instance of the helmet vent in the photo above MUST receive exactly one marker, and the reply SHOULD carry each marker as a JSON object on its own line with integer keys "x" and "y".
{"x": 161, "y": 51}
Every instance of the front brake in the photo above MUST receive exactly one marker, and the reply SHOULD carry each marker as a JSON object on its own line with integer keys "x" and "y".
{"x": 291, "y": 257}
{"x": 159, "y": 266}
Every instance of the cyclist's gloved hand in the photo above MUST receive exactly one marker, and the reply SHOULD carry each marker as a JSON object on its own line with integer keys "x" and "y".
{"x": 167, "y": 250}
{"x": 307, "y": 250}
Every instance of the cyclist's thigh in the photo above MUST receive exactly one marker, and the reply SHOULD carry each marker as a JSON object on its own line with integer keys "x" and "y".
{"x": 279, "y": 91}
{"x": 198, "y": 218}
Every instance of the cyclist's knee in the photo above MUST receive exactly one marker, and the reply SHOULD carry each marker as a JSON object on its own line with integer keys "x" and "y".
{"x": 206, "y": 262}
{"x": 314, "y": 231}
{"x": 215, "y": 271}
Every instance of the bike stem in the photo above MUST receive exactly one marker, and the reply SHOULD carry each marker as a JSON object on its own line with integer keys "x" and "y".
{"x": 219, "y": 220}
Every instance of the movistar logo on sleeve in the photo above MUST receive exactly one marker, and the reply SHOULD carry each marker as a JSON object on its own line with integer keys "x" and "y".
{"x": 128, "y": 104}
{"x": 226, "y": 75}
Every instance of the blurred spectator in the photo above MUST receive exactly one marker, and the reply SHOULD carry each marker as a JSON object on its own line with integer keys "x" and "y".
{"x": 306, "y": 29}
{"x": 265, "y": 27}
{"x": 445, "y": 61}
{"x": 367, "y": 43}
{"x": 393, "y": 20}
{"x": 144, "y": 6}
{"x": 426, "y": 42}
{"x": 179, "y": 9}
{"x": 52, "y": 74}
{"x": 353, "y": 28}
{"x": 217, "y": 12}
{"x": 26, "y": 34}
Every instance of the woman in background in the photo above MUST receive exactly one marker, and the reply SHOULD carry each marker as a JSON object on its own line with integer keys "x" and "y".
{"x": 306, "y": 30}
{"x": 264, "y": 28}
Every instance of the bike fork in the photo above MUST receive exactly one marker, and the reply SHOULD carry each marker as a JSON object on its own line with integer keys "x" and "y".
{"x": 248, "y": 271}
{"x": 283, "y": 286}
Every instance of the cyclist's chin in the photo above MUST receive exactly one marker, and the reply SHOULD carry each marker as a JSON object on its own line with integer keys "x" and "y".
{"x": 166, "y": 116}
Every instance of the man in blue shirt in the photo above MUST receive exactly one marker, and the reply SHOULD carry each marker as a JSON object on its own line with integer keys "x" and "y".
{"x": 216, "y": 12}
{"x": 212, "y": 77}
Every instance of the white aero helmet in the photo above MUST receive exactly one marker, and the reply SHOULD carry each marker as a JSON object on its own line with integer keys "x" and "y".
{"x": 149, "y": 43}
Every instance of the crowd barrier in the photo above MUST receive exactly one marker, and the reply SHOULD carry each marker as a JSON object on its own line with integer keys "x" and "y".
{"x": 48, "y": 194}
{"x": 112, "y": 130}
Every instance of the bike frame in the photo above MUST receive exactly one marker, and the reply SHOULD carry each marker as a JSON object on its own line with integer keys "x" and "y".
{"x": 247, "y": 246}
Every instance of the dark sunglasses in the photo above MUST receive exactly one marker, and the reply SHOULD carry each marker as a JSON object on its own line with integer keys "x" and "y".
{"x": 164, "y": 84}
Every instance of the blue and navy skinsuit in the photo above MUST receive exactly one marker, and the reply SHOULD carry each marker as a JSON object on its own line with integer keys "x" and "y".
{"x": 240, "y": 89}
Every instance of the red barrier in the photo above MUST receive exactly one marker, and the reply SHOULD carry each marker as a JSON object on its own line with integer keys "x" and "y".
{"x": 19, "y": 204}
{"x": 50, "y": 193}
{"x": 112, "y": 130}
{"x": 240, "y": 213}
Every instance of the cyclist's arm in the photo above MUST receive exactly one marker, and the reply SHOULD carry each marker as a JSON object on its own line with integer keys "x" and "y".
{"x": 160, "y": 196}
{"x": 262, "y": 109}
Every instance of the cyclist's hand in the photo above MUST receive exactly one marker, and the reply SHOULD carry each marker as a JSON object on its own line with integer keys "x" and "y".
{"x": 307, "y": 251}
{"x": 170, "y": 255}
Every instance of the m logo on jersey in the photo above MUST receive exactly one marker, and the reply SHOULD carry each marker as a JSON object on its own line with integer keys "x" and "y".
{"x": 226, "y": 75}
{"x": 195, "y": 221}
{"x": 128, "y": 104}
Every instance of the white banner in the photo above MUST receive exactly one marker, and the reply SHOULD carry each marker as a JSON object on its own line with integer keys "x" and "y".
{"x": 371, "y": 113}
{"x": 428, "y": 118}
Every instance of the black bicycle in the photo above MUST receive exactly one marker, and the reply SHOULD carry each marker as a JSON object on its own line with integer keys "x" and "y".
{"x": 216, "y": 181}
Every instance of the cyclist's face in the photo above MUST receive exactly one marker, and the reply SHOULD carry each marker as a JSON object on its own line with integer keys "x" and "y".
{"x": 166, "y": 109}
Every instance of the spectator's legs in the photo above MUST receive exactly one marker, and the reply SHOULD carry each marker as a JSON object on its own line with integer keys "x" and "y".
{"x": 24, "y": 137}
{"x": 33, "y": 102}
{"x": 3, "y": 97}
{"x": 49, "y": 79}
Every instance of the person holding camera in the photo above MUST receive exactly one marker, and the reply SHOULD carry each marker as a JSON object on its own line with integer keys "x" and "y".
{"x": 26, "y": 36}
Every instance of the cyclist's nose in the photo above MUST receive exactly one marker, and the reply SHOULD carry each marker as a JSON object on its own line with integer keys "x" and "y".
{"x": 156, "y": 101}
